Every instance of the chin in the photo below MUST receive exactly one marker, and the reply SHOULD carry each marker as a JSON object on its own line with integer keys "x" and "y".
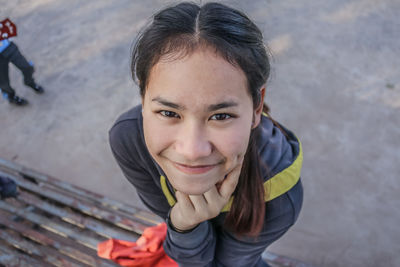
{"x": 194, "y": 189}
{"x": 192, "y": 184}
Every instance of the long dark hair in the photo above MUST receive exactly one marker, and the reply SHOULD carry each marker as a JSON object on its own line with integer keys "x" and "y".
{"x": 179, "y": 30}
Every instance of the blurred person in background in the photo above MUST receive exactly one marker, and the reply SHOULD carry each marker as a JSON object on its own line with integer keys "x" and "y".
{"x": 9, "y": 52}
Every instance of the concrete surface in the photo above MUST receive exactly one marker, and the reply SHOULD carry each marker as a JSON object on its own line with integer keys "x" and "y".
{"x": 335, "y": 82}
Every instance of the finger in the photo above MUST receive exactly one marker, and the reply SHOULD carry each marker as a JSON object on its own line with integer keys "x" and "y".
{"x": 229, "y": 184}
{"x": 180, "y": 215}
{"x": 214, "y": 200}
{"x": 207, "y": 210}
{"x": 212, "y": 196}
{"x": 199, "y": 202}
{"x": 184, "y": 201}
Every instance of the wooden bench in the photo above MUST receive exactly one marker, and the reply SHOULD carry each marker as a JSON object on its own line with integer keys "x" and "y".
{"x": 52, "y": 222}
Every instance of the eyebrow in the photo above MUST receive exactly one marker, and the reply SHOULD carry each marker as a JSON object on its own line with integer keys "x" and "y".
{"x": 226, "y": 104}
{"x": 213, "y": 107}
{"x": 167, "y": 103}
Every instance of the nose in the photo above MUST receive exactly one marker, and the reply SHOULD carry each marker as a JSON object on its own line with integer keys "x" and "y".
{"x": 192, "y": 142}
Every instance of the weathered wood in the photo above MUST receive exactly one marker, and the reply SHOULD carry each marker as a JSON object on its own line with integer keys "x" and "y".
{"x": 78, "y": 192}
{"x": 11, "y": 257}
{"x": 53, "y": 222}
{"x": 77, "y": 219}
{"x": 129, "y": 223}
{"x": 49, "y": 241}
{"x": 51, "y": 225}
{"x": 44, "y": 253}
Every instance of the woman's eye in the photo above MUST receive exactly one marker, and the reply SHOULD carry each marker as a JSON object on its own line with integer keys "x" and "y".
{"x": 169, "y": 114}
{"x": 220, "y": 117}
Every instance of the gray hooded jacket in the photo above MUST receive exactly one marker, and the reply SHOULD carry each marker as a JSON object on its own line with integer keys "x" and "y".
{"x": 209, "y": 244}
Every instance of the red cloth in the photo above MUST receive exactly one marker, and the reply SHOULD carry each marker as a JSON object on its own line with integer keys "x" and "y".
{"x": 147, "y": 251}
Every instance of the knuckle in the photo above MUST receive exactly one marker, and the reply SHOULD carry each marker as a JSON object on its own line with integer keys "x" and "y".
{"x": 210, "y": 213}
{"x": 214, "y": 211}
{"x": 191, "y": 221}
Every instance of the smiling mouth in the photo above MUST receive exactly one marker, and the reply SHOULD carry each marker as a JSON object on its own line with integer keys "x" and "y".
{"x": 198, "y": 169}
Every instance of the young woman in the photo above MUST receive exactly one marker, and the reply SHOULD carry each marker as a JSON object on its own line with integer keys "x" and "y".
{"x": 201, "y": 149}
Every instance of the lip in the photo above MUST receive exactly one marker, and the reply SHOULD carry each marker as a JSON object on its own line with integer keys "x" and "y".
{"x": 199, "y": 169}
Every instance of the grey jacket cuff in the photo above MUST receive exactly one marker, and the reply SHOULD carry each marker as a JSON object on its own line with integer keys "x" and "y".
{"x": 192, "y": 239}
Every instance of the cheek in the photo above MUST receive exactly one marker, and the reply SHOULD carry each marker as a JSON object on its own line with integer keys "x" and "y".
{"x": 157, "y": 136}
{"x": 234, "y": 142}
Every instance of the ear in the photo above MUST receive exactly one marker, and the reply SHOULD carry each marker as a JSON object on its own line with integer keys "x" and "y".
{"x": 258, "y": 111}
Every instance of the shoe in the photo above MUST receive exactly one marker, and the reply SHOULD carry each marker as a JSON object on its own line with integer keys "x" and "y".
{"x": 19, "y": 101}
{"x": 37, "y": 88}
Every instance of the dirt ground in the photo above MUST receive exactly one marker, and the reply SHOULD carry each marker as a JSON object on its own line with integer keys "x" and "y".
{"x": 335, "y": 82}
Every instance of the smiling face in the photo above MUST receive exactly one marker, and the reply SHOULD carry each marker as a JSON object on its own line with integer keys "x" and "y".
{"x": 197, "y": 119}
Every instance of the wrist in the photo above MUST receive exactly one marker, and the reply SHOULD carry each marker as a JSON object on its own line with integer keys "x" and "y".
{"x": 178, "y": 229}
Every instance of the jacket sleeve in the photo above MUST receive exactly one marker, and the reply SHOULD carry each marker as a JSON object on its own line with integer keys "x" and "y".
{"x": 205, "y": 246}
{"x": 196, "y": 248}
{"x": 126, "y": 154}
{"x": 211, "y": 245}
